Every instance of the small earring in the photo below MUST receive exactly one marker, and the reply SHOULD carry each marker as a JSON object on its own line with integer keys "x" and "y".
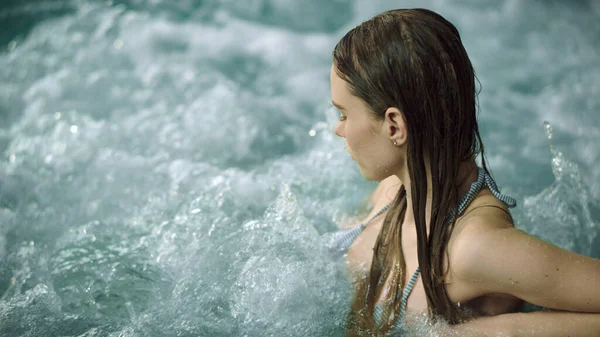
{"x": 395, "y": 143}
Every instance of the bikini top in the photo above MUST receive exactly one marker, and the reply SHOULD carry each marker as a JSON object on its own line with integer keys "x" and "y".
{"x": 340, "y": 241}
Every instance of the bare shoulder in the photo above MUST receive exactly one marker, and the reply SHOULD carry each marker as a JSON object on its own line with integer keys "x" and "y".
{"x": 487, "y": 255}
{"x": 476, "y": 238}
{"x": 485, "y": 213}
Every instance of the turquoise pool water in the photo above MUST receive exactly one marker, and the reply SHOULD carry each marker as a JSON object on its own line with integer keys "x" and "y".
{"x": 167, "y": 167}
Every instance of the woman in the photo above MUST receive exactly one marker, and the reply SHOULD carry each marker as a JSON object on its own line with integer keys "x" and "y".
{"x": 440, "y": 240}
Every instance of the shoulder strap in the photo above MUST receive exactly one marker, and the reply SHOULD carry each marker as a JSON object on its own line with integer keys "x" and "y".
{"x": 341, "y": 240}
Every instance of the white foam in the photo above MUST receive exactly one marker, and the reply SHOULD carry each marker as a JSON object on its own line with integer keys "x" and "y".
{"x": 185, "y": 131}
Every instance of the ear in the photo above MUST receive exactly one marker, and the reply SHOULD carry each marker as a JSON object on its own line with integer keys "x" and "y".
{"x": 395, "y": 126}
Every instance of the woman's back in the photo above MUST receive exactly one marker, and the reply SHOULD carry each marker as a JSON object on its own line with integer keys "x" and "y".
{"x": 483, "y": 207}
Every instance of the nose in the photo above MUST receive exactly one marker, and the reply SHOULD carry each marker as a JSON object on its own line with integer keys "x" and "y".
{"x": 339, "y": 130}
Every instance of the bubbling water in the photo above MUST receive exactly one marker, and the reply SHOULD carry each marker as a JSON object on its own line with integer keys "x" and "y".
{"x": 169, "y": 168}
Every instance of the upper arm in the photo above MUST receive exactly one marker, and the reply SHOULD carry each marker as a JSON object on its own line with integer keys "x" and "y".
{"x": 507, "y": 260}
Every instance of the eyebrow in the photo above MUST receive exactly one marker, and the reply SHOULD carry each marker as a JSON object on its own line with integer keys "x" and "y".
{"x": 337, "y": 105}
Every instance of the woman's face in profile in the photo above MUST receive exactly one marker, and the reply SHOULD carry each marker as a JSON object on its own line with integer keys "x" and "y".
{"x": 364, "y": 134}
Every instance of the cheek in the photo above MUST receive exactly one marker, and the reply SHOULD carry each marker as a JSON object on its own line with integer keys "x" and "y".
{"x": 360, "y": 137}
{"x": 355, "y": 137}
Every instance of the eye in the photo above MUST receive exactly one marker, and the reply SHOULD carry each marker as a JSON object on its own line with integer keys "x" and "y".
{"x": 342, "y": 118}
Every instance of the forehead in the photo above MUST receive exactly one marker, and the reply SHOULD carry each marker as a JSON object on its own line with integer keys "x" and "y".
{"x": 339, "y": 89}
{"x": 341, "y": 94}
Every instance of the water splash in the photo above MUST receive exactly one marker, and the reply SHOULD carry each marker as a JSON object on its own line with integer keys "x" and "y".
{"x": 558, "y": 161}
{"x": 561, "y": 213}
{"x": 148, "y": 218}
{"x": 289, "y": 272}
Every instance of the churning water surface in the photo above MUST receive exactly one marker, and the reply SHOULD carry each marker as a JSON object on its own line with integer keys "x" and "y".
{"x": 168, "y": 166}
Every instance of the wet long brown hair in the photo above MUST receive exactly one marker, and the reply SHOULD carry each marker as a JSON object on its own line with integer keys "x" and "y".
{"x": 414, "y": 59}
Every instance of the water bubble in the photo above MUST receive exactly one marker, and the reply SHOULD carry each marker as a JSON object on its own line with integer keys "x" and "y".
{"x": 312, "y": 133}
{"x": 74, "y": 128}
{"x": 549, "y": 130}
{"x": 118, "y": 44}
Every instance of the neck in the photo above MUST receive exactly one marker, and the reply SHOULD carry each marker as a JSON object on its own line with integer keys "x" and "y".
{"x": 467, "y": 173}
